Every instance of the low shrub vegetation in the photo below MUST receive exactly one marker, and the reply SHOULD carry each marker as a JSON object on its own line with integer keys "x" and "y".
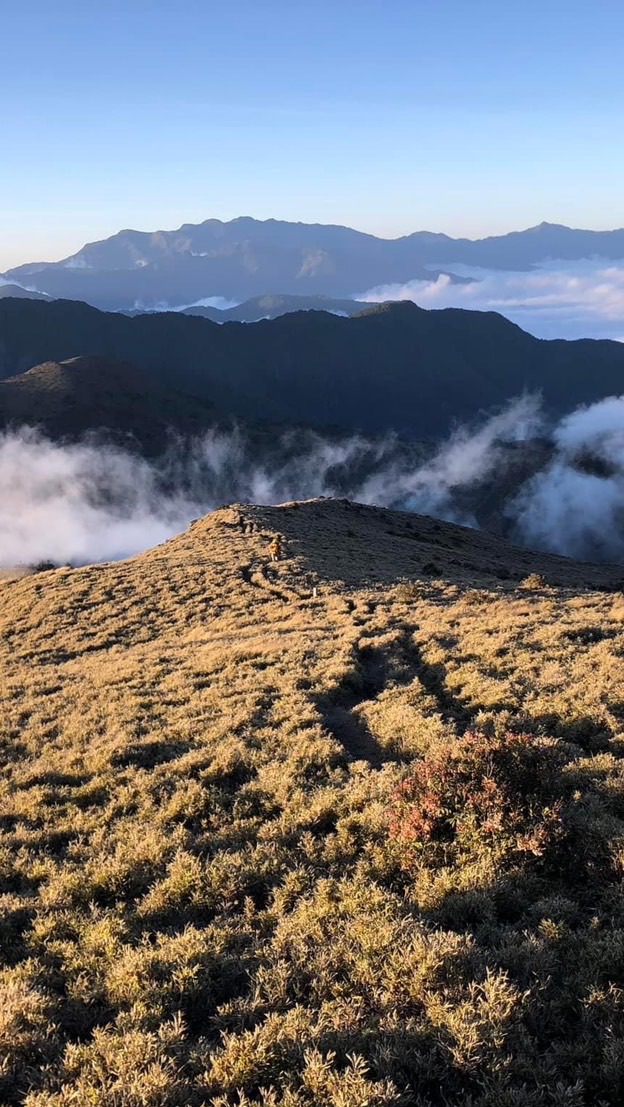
{"x": 266, "y": 848}
{"x": 502, "y": 794}
{"x": 533, "y": 582}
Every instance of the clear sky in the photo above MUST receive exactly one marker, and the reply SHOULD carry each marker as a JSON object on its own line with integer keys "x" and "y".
{"x": 466, "y": 116}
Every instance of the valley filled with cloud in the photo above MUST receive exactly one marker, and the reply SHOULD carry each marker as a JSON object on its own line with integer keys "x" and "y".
{"x": 91, "y": 501}
{"x": 580, "y": 299}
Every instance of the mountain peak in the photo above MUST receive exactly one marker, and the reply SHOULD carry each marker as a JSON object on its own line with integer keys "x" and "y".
{"x": 396, "y": 308}
{"x": 545, "y": 226}
{"x": 70, "y": 397}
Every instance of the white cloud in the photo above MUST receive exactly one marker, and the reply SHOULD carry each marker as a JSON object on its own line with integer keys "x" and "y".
{"x": 89, "y": 502}
{"x": 77, "y": 262}
{"x": 469, "y": 456}
{"x": 219, "y": 302}
{"x": 80, "y": 502}
{"x": 575, "y": 506}
{"x": 582, "y": 299}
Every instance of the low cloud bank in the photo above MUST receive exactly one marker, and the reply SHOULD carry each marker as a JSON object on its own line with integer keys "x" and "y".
{"x": 92, "y": 502}
{"x": 219, "y": 302}
{"x": 95, "y": 502}
{"x": 468, "y": 459}
{"x": 575, "y": 506}
{"x": 79, "y": 503}
{"x": 582, "y": 299}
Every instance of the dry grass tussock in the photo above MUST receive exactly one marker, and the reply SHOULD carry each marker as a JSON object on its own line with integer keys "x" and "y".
{"x": 345, "y": 830}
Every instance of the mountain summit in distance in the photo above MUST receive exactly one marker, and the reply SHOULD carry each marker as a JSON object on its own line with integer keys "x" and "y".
{"x": 246, "y": 257}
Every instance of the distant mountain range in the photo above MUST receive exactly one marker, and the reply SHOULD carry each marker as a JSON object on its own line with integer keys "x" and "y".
{"x": 270, "y": 307}
{"x": 246, "y": 257}
{"x": 250, "y": 311}
{"x": 392, "y": 367}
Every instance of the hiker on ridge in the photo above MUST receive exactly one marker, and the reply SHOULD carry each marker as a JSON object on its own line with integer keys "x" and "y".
{"x": 275, "y": 549}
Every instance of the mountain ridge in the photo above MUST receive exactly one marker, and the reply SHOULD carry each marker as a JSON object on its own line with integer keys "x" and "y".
{"x": 244, "y": 257}
{"x": 67, "y": 399}
{"x": 392, "y": 367}
{"x": 270, "y": 306}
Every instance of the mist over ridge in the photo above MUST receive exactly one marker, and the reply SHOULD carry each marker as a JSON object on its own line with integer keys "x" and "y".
{"x": 91, "y": 501}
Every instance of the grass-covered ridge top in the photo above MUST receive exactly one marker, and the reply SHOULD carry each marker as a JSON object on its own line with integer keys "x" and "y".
{"x": 213, "y": 887}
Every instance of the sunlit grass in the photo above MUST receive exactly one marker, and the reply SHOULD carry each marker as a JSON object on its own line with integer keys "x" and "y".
{"x": 203, "y": 899}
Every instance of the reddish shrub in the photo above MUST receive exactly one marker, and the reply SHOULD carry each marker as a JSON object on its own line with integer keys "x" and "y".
{"x": 480, "y": 792}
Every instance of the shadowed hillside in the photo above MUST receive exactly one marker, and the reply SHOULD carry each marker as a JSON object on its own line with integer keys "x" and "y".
{"x": 270, "y": 307}
{"x": 271, "y": 834}
{"x": 93, "y": 393}
{"x": 395, "y": 366}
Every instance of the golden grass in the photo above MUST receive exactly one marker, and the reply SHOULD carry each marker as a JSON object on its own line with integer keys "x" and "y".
{"x": 201, "y": 901}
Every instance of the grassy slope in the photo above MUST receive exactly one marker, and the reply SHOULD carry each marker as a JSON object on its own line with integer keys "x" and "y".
{"x": 201, "y": 902}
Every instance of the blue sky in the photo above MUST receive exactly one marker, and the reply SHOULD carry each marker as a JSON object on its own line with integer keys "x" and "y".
{"x": 466, "y": 117}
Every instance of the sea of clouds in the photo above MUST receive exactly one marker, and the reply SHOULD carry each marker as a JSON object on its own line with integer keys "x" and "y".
{"x": 92, "y": 502}
{"x": 579, "y": 299}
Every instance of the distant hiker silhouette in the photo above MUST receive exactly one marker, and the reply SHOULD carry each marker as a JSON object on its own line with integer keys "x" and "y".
{"x": 275, "y": 549}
